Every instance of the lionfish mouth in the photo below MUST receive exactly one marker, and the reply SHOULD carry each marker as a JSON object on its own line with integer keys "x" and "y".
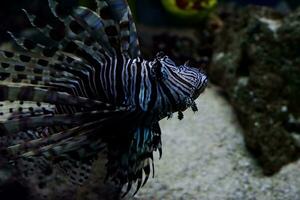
{"x": 201, "y": 86}
{"x": 189, "y": 102}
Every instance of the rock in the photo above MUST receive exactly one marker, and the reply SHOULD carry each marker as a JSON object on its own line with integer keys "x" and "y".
{"x": 256, "y": 61}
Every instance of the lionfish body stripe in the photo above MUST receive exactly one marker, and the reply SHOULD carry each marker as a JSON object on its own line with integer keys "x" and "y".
{"x": 89, "y": 90}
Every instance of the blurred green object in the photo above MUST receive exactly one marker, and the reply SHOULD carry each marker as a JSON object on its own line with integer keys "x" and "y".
{"x": 86, "y": 3}
{"x": 190, "y": 11}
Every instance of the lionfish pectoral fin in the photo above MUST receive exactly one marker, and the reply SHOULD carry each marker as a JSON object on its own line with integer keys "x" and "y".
{"x": 147, "y": 171}
{"x": 129, "y": 186}
{"x": 135, "y": 159}
{"x": 57, "y": 144}
{"x": 139, "y": 181}
{"x": 50, "y": 92}
{"x": 76, "y": 171}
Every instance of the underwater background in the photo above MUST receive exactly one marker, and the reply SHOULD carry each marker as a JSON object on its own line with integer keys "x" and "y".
{"x": 244, "y": 141}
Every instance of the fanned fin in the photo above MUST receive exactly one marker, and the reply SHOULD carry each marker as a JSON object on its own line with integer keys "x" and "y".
{"x": 48, "y": 120}
{"x": 129, "y": 165}
{"x": 114, "y": 29}
{"x": 77, "y": 171}
{"x": 147, "y": 171}
{"x": 50, "y": 105}
{"x": 139, "y": 181}
{"x": 128, "y": 34}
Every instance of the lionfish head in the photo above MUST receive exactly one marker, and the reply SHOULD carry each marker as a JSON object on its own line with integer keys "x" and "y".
{"x": 182, "y": 83}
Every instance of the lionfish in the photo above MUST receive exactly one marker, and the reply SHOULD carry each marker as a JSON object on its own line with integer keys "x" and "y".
{"x": 88, "y": 91}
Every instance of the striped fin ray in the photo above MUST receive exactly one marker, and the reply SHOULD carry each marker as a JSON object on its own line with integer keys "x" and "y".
{"x": 83, "y": 72}
{"x": 20, "y": 109}
{"x": 97, "y": 28}
{"x": 46, "y": 71}
{"x": 48, "y": 31}
{"x": 140, "y": 177}
{"x": 20, "y": 137}
{"x": 114, "y": 24}
{"x": 134, "y": 165}
{"x": 62, "y": 37}
{"x": 30, "y": 93}
{"x": 60, "y": 44}
{"x": 60, "y": 150}
{"x": 84, "y": 25}
{"x": 41, "y": 74}
{"x": 91, "y": 53}
{"x": 29, "y": 45}
{"x": 29, "y": 70}
{"x": 48, "y": 120}
{"x": 73, "y": 34}
{"x": 115, "y": 31}
{"x": 57, "y": 144}
{"x": 41, "y": 110}
{"x": 128, "y": 35}
{"x": 60, "y": 66}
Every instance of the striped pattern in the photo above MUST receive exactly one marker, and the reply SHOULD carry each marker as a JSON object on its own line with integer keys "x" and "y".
{"x": 61, "y": 102}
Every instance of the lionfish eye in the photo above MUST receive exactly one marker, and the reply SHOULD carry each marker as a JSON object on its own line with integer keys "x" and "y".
{"x": 180, "y": 68}
{"x": 157, "y": 70}
{"x": 160, "y": 55}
